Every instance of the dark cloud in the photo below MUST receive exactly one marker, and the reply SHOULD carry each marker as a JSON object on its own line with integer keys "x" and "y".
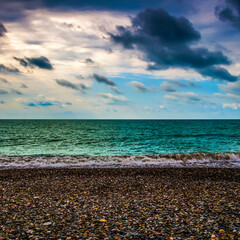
{"x": 89, "y": 61}
{"x": 3, "y": 30}
{"x": 10, "y": 69}
{"x": 219, "y": 73}
{"x": 102, "y": 79}
{"x": 230, "y": 12}
{"x": 79, "y": 76}
{"x": 13, "y": 10}
{"x": 167, "y": 42}
{"x": 22, "y": 61}
{"x": 16, "y": 92}
{"x": 120, "y": 5}
{"x": 23, "y": 86}
{"x": 172, "y": 85}
{"x": 3, "y": 80}
{"x": 186, "y": 84}
{"x": 167, "y": 87}
{"x": 40, "y": 62}
{"x": 67, "y": 84}
{"x": 189, "y": 97}
{"x": 231, "y": 87}
{"x": 3, "y": 92}
{"x": 34, "y": 42}
{"x": 115, "y": 89}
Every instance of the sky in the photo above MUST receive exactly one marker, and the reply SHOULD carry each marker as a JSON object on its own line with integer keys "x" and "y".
{"x": 138, "y": 59}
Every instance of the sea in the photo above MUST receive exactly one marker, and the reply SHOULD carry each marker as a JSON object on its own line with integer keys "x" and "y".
{"x": 119, "y": 143}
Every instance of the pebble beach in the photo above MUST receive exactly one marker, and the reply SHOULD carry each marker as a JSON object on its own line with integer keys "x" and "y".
{"x": 133, "y": 203}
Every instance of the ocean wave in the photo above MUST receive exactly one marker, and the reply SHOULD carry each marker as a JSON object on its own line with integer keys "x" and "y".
{"x": 228, "y": 160}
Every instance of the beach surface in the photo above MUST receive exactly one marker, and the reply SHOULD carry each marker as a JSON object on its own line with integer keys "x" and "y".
{"x": 123, "y": 203}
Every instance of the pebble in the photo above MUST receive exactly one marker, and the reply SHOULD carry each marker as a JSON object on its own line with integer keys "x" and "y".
{"x": 138, "y": 203}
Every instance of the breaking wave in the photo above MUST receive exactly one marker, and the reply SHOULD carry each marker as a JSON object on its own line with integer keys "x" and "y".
{"x": 227, "y": 160}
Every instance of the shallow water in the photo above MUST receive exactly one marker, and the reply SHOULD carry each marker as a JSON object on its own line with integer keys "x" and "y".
{"x": 116, "y": 138}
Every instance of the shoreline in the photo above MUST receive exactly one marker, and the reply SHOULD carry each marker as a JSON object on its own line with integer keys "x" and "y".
{"x": 185, "y": 160}
{"x": 123, "y": 203}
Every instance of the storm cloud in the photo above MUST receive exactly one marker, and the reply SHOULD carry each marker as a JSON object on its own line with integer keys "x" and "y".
{"x": 12, "y": 10}
{"x": 230, "y": 12}
{"x": 219, "y": 73}
{"x": 40, "y": 62}
{"x": 167, "y": 42}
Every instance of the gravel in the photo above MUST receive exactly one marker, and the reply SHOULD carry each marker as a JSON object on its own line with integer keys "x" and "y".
{"x": 137, "y": 203}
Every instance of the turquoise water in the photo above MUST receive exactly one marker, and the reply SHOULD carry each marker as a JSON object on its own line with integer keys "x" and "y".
{"x": 117, "y": 137}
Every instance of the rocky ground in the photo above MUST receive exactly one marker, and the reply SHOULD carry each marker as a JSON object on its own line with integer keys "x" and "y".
{"x": 144, "y": 203}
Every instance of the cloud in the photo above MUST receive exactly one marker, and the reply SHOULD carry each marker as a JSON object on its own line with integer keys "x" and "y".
{"x": 234, "y": 106}
{"x": 79, "y": 76}
{"x": 23, "y": 86}
{"x": 3, "y": 80}
{"x": 2, "y": 102}
{"x": 115, "y": 89}
{"x": 231, "y": 87}
{"x": 89, "y": 61}
{"x": 114, "y": 100}
{"x": 218, "y": 73}
{"x": 140, "y": 87}
{"x": 186, "y": 84}
{"x": 232, "y": 93}
{"x": 171, "y": 86}
{"x": 40, "y": 62}
{"x": 167, "y": 87}
{"x": 3, "y": 30}
{"x": 67, "y": 84}
{"x": 101, "y": 79}
{"x": 16, "y": 8}
{"x": 184, "y": 96}
{"x": 230, "y": 12}
{"x": 166, "y": 42}
{"x": 10, "y": 69}
{"x": 16, "y": 92}
{"x": 3, "y": 92}
{"x": 228, "y": 96}
{"x": 43, "y": 101}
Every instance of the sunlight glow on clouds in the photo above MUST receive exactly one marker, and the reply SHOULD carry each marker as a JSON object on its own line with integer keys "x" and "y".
{"x": 119, "y": 62}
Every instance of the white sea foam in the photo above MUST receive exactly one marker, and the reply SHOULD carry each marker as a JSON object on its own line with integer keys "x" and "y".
{"x": 226, "y": 160}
